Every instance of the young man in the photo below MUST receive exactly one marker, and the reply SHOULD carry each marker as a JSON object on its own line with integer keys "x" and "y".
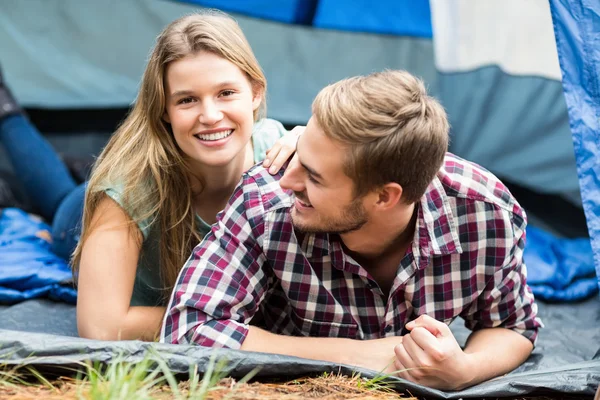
{"x": 370, "y": 244}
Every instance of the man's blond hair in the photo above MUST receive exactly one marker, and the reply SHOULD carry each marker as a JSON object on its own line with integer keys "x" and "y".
{"x": 394, "y": 131}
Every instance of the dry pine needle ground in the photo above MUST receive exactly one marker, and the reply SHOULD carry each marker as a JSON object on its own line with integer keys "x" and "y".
{"x": 330, "y": 387}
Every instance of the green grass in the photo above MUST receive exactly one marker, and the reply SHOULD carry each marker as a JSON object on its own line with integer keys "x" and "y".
{"x": 140, "y": 381}
{"x": 122, "y": 380}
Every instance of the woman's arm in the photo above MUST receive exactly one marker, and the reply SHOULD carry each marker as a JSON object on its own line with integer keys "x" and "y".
{"x": 106, "y": 276}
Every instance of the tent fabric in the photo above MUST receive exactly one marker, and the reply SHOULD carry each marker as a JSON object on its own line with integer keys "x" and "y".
{"x": 473, "y": 34}
{"x": 516, "y": 126}
{"x": 288, "y": 11}
{"x": 565, "y": 362}
{"x": 392, "y": 17}
{"x": 102, "y": 66}
{"x": 577, "y": 32}
{"x": 499, "y": 80}
{"x": 28, "y": 268}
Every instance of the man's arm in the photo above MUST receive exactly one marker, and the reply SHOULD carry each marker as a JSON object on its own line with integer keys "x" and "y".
{"x": 431, "y": 356}
{"x": 504, "y": 321}
{"x": 495, "y": 352}
{"x": 376, "y": 354}
{"x": 221, "y": 285}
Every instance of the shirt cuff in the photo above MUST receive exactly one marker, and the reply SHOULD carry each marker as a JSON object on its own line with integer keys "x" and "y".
{"x": 220, "y": 333}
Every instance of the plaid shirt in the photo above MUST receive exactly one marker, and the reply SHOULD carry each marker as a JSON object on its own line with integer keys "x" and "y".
{"x": 465, "y": 260}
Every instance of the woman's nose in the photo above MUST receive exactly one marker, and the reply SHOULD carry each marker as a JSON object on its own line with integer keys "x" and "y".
{"x": 210, "y": 114}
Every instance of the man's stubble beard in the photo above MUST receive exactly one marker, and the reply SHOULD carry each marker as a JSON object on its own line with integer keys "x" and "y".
{"x": 351, "y": 219}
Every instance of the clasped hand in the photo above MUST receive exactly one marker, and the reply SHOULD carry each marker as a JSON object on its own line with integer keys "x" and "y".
{"x": 430, "y": 356}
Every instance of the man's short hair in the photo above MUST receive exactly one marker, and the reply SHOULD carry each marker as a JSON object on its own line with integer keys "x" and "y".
{"x": 394, "y": 131}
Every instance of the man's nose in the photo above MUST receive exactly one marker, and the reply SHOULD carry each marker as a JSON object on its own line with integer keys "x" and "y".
{"x": 293, "y": 176}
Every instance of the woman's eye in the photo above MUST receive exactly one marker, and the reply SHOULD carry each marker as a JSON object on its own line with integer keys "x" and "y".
{"x": 312, "y": 179}
{"x": 185, "y": 100}
{"x": 227, "y": 93}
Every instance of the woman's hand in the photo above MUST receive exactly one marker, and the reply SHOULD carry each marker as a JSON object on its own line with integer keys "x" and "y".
{"x": 282, "y": 150}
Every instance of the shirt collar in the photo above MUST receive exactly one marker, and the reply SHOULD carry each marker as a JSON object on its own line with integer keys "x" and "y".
{"x": 436, "y": 232}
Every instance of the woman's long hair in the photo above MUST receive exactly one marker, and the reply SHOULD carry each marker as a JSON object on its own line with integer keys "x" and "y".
{"x": 143, "y": 156}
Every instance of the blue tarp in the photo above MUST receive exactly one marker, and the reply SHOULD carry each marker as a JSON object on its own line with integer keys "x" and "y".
{"x": 577, "y": 33}
{"x": 28, "y": 268}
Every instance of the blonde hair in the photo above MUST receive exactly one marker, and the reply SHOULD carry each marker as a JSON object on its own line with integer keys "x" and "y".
{"x": 394, "y": 131}
{"x": 143, "y": 155}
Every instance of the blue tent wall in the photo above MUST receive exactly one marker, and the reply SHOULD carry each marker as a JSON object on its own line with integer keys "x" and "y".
{"x": 393, "y": 17}
{"x": 287, "y": 11}
{"x": 577, "y": 33}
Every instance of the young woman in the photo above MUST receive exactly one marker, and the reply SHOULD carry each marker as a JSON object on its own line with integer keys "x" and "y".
{"x": 163, "y": 176}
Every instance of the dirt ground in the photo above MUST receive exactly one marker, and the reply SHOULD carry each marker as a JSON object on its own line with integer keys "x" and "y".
{"x": 326, "y": 388}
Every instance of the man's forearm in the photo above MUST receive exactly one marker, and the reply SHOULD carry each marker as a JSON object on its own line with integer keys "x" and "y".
{"x": 495, "y": 352}
{"x": 326, "y": 349}
{"x": 377, "y": 354}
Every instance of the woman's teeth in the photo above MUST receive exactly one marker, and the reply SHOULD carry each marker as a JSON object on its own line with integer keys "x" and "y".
{"x": 215, "y": 136}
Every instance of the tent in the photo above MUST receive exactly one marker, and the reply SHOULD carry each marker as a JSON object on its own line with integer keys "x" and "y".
{"x": 519, "y": 81}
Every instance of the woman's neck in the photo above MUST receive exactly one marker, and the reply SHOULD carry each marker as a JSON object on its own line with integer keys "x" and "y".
{"x": 214, "y": 185}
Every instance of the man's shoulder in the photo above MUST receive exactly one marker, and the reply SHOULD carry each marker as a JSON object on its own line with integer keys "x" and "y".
{"x": 258, "y": 183}
{"x": 467, "y": 180}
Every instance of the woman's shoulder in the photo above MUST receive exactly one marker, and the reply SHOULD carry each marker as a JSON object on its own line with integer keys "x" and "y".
{"x": 116, "y": 191}
{"x": 265, "y": 133}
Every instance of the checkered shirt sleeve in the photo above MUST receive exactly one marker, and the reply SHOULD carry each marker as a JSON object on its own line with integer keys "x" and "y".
{"x": 221, "y": 285}
{"x": 506, "y": 300}
{"x": 492, "y": 232}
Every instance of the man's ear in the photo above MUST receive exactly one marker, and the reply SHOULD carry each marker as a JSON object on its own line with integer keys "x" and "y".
{"x": 389, "y": 195}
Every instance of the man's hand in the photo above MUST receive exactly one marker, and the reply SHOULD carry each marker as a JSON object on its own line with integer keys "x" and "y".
{"x": 430, "y": 356}
{"x": 376, "y": 354}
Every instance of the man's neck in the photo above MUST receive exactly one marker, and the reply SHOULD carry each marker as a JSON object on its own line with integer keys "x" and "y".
{"x": 382, "y": 233}
{"x": 379, "y": 247}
